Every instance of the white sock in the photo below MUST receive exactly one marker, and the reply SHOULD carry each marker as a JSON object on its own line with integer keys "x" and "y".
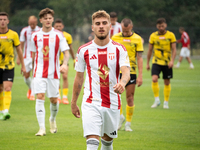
{"x": 157, "y": 99}
{"x": 178, "y": 64}
{"x": 28, "y": 82}
{"x": 191, "y": 65}
{"x": 40, "y": 113}
{"x": 92, "y": 144}
{"x": 54, "y": 110}
{"x": 128, "y": 123}
{"x": 106, "y": 145}
{"x": 165, "y": 103}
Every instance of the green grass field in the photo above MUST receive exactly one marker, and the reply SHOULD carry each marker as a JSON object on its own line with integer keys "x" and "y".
{"x": 154, "y": 129}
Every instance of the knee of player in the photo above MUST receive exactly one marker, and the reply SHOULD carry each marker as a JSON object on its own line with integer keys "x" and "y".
{"x": 40, "y": 96}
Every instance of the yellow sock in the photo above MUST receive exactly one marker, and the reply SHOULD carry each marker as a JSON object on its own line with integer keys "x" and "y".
{"x": 1, "y": 101}
{"x": 167, "y": 89}
{"x": 155, "y": 88}
{"x": 121, "y": 111}
{"x": 129, "y": 112}
{"x": 7, "y": 100}
{"x": 65, "y": 91}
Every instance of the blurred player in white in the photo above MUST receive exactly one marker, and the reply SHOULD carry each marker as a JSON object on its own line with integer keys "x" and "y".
{"x": 25, "y": 42}
{"x": 116, "y": 26}
{"x": 45, "y": 47}
{"x": 185, "y": 50}
{"x": 102, "y": 59}
{"x": 58, "y": 24}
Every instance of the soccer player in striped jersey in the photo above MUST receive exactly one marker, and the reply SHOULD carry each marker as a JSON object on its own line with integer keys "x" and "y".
{"x": 164, "y": 44}
{"x": 45, "y": 47}
{"x": 185, "y": 50}
{"x": 25, "y": 42}
{"x": 8, "y": 40}
{"x": 58, "y": 24}
{"x": 134, "y": 47}
{"x": 116, "y": 26}
{"x": 102, "y": 59}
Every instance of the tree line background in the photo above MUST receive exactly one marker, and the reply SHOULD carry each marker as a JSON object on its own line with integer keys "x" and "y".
{"x": 144, "y": 13}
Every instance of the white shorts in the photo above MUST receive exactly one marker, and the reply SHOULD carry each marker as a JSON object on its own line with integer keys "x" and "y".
{"x": 185, "y": 52}
{"x": 50, "y": 86}
{"x": 98, "y": 120}
{"x": 28, "y": 64}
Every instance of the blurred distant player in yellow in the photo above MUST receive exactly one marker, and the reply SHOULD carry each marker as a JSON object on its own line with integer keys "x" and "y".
{"x": 8, "y": 40}
{"x": 134, "y": 47}
{"x": 60, "y": 26}
{"x": 116, "y": 26}
{"x": 185, "y": 50}
{"x": 164, "y": 44}
{"x": 25, "y": 42}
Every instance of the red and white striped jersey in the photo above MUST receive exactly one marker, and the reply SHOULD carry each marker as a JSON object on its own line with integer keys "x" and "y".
{"x": 25, "y": 36}
{"x": 185, "y": 39}
{"x": 46, "y": 47}
{"x": 115, "y": 29}
{"x": 102, "y": 64}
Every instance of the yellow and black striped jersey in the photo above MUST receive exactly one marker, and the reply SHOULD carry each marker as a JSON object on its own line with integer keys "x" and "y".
{"x": 133, "y": 44}
{"x": 8, "y": 41}
{"x": 162, "y": 47}
{"x": 69, "y": 41}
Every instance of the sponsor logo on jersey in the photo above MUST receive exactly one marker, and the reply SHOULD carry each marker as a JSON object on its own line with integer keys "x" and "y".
{"x": 102, "y": 53}
{"x": 126, "y": 40}
{"x": 4, "y": 37}
{"x": 103, "y": 71}
{"x": 161, "y": 37}
{"x": 111, "y": 56}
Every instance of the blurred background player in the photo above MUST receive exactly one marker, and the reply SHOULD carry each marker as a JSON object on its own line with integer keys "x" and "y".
{"x": 134, "y": 47}
{"x": 25, "y": 42}
{"x": 103, "y": 59}
{"x": 58, "y": 24}
{"x": 185, "y": 50}
{"x": 116, "y": 26}
{"x": 45, "y": 50}
{"x": 8, "y": 40}
{"x": 164, "y": 44}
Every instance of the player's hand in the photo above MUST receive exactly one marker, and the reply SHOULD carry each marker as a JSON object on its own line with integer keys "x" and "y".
{"x": 148, "y": 67}
{"x": 18, "y": 61}
{"x": 170, "y": 65}
{"x": 75, "y": 110}
{"x": 139, "y": 81}
{"x": 63, "y": 68}
{"x": 23, "y": 70}
{"x": 119, "y": 88}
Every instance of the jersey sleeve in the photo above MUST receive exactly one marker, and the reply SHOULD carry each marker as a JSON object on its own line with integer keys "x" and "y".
{"x": 69, "y": 39}
{"x": 22, "y": 36}
{"x": 63, "y": 44}
{"x": 80, "y": 62}
{"x": 16, "y": 39}
{"x": 140, "y": 46}
{"x": 151, "y": 39}
{"x": 33, "y": 47}
{"x": 173, "y": 38}
{"x": 124, "y": 59}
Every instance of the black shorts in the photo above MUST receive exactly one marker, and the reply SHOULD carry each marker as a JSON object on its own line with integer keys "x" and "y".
{"x": 6, "y": 75}
{"x": 132, "y": 79}
{"x": 167, "y": 73}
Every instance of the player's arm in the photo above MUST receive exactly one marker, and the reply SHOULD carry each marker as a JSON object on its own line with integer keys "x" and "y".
{"x": 120, "y": 87}
{"x": 72, "y": 53}
{"x": 149, "y": 55}
{"x": 22, "y": 46}
{"x": 20, "y": 55}
{"x": 33, "y": 58}
{"x": 63, "y": 67}
{"x": 78, "y": 82}
{"x": 140, "y": 68}
{"x": 173, "y": 47}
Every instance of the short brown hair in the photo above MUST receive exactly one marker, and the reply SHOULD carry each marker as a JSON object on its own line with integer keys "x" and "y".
{"x": 126, "y": 22}
{"x": 4, "y": 14}
{"x": 46, "y": 11}
{"x": 58, "y": 20}
{"x": 113, "y": 14}
{"x": 182, "y": 29}
{"x": 100, "y": 14}
{"x": 161, "y": 20}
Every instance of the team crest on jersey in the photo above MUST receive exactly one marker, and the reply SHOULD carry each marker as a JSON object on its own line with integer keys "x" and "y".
{"x": 45, "y": 50}
{"x": 51, "y": 40}
{"x": 103, "y": 71}
{"x": 111, "y": 56}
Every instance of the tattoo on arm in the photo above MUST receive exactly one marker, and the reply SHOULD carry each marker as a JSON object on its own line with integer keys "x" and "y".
{"x": 66, "y": 58}
{"x": 139, "y": 54}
